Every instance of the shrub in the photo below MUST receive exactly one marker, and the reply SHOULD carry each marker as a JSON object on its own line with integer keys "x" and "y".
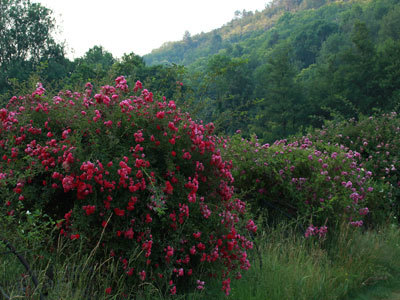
{"x": 377, "y": 139}
{"x": 320, "y": 184}
{"x": 128, "y": 173}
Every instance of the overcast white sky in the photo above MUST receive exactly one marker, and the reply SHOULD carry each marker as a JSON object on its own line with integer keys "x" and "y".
{"x": 124, "y": 26}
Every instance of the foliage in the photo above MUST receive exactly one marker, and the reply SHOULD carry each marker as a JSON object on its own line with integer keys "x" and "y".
{"x": 28, "y": 51}
{"x": 93, "y": 66}
{"x": 25, "y": 39}
{"x": 314, "y": 60}
{"x": 280, "y": 100}
{"x": 377, "y": 139}
{"x": 140, "y": 194}
{"x": 130, "y": 176}
{"x": 228, "y": 85}
{"x": 274, "y": 73}
{"x": 321, "y": 185}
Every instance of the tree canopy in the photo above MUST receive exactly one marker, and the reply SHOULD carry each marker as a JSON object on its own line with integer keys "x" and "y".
{"x": 26, "y": 39}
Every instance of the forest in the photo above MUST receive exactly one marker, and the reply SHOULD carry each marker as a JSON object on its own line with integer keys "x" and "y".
{"x": 256, "y": 161}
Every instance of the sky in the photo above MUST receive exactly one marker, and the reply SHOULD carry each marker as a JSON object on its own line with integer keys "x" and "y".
{"x": 124, "y": 26}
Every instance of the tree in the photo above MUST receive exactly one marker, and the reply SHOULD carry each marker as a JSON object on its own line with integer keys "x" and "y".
{"x": 238, "y": 14}
{"x": 25, "y": 38}
{"x": 355, "y": 77}
{"x": 309, "y": 38}
{"x": 187, "y": 38}
{"x": 279, "y": 94}
{"x": 215, "y": 43}
{"x": 388, "y": 73}
{"x": 229, "y": 86}
{"x": 93, "y": 66}
{"x": 390, "y": 26}
{"x": 131, "y": 66}
{"x": 100, "y": 57}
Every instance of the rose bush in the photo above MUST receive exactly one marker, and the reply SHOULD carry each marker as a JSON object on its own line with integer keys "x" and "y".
{"x": 321, "y": 185}
{"x": 377, "y": 139}
{"x": 132, "y": 172}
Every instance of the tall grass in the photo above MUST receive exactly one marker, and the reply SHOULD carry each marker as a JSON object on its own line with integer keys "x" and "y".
{"x": 295, "y": 268}
{"x": 285, "y": 265}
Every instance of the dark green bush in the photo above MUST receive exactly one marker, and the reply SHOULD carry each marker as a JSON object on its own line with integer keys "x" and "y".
{"x": 319, "y": 184}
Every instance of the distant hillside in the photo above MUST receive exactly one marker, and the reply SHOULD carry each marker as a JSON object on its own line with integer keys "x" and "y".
{"x": 292, "y": 65}
{"x": 245, "y": 24}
